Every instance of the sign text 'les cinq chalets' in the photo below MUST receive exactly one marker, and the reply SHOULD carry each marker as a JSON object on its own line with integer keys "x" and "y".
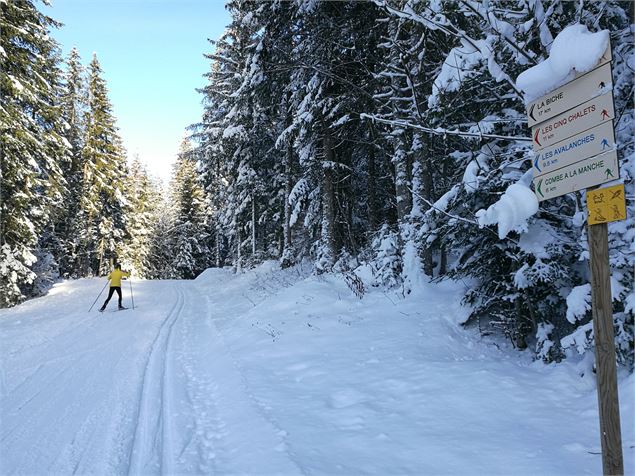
{"x": 596, "y": 111}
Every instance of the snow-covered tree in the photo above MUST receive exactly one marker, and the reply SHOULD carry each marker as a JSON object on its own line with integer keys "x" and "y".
{"x": 73, "y": 109}
{"x": 32, "y": 146}
{"x": 388, "y": 130}
{"x": 189, "y": 235}
{"x": 143, "y": 195}
{"x": 102, "y": 203}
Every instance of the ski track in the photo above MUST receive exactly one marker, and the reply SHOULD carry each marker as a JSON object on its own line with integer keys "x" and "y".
{"x": 151, "y": 392}
{"x": 152, "y": 445}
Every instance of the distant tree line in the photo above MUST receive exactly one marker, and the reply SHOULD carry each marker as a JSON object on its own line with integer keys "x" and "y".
{"x": 71, "y": 205}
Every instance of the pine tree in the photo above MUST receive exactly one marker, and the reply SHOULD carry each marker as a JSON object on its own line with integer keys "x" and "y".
{"x": 189, "y": 235}
{"x": 73, "y": 109}
{"x": 211, "y": 151}
{"x": 102, "y": 204}
{"x": 143, "y": 196}
{"x": 344, "y": 130}
{"x": 158, "y": 263}
{"x": 32, "y": 148}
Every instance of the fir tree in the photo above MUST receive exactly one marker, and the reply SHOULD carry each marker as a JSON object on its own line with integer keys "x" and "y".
{"x": 103, "y": 205}
{"x": 190, "y": 238}
{"x": 73, "y": 109}
{"x": 32, "y": 148}
{"x": 345, "y": 130}
{"x": 144, "y": 197}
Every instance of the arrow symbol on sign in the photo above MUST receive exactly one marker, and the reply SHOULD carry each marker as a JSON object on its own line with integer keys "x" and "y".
{"x": 538, "y": 188}
{"x": 536, "y": 163}
{"x": 536, "y": 137}
{"x": 605, "y": 114}
{"x": 531, "y": 112}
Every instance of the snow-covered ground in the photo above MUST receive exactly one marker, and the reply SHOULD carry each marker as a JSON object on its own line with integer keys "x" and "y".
{"x": 278, "y": 372}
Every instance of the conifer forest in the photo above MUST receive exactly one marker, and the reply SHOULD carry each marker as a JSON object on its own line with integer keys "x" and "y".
{"x": 335, "y": 135}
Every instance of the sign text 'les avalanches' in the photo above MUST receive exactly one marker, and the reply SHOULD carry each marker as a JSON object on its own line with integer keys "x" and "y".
{"x": 583, "y": 174}
{"x": 584, "y": 86}
{"x": 579, "y": 119}
{"x": 592, "y": 142}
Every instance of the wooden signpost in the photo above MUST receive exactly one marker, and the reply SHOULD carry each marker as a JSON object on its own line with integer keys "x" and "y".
{"x": 574, "y": 145}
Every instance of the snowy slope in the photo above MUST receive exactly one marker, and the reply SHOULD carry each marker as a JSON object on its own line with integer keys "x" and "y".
{"x": 280, "y": 372}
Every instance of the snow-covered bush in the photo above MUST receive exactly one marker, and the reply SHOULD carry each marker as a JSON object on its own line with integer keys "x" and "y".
{"x": 545, "y": 347}
{"x": 47, "y": 273}
{"x": 14, "y": 272}
{"x": 387, "y": 262}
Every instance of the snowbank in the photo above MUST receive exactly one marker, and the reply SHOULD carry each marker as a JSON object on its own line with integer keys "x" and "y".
{"x": 511, "y": 211}
{"x": 575, "y": 50}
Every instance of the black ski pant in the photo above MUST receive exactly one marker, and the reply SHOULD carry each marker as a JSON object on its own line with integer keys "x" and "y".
{"x": 112, "y": 291}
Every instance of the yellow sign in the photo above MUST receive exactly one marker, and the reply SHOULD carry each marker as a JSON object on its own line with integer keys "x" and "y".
{"x": 606, "y": 204}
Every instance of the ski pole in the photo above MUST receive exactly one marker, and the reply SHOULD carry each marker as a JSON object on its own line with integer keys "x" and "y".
{"x": 131, "y": 295}
{"x": 102, "y": 290}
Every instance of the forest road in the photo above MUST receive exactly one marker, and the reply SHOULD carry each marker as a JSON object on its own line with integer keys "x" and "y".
{"x": 148, "y": 391}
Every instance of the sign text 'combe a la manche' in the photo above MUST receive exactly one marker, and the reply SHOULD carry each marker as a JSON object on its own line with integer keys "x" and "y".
{"x": 583, "y": 174}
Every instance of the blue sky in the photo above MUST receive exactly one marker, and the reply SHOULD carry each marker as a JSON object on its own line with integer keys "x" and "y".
{"x": 151, "y": 52}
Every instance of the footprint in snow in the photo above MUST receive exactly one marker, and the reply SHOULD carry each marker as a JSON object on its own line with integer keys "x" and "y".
{"x": 346, "y": 398}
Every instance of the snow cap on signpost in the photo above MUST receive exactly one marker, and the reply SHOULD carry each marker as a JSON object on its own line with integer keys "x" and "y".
{"x": 574, "y": 51}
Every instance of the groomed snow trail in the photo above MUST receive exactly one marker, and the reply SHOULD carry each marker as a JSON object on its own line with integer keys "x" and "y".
{"x": 283, "y": 372}
{"x": 144, "y": 391}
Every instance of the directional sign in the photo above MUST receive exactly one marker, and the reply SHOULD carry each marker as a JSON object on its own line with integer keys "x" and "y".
{"x": 606, "y": 204}
{"x": 586, "y": 173}
{"x": 579, "y": 119}
{"x": 581, "y": 146}
{"x": 593, "y": 83}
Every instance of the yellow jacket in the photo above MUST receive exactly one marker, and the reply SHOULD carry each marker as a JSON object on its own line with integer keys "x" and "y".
{"x": 115, "y": 278}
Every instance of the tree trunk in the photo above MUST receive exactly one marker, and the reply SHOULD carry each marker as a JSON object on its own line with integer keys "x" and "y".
{"x": 402, "y": 193}
{"x": 238, "y": 249}
{"x": 426, "y": 192}
{"x": 443, "y": 265}
{"x": 328, "y": 203}
{"x": 253, "y": 227}
{"x": 287, "y": 258}
{"x": 217, "y": 248}
{"x": 373, "y": 205}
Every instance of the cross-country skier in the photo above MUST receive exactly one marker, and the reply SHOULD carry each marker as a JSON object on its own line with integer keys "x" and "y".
{"x": 115, "y": 285}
